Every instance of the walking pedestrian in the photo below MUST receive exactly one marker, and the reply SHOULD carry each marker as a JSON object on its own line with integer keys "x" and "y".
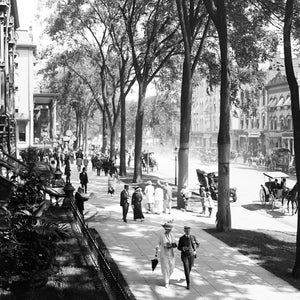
{"x": 187, "y": 245}
{"x": 210, "y": 203}
{"x": 167, "y": 198}
{"x": 79, "y": 163}
{"x": 79, "y": 200}
{"x": 124, "y": 202}
{"x": 149, "y": 197}
{"x": 166, "y": 245}
{"x": 202, "y": 198}
{"x": 86, "y": 162}
{"x": 83, "y": 177}
{"x": 67, "y": 169}
{"x": 185, "y": 194}
{"x": 136, "y": 202}
{"x": 158, "y": 198}
{"x": 111, "y": 183}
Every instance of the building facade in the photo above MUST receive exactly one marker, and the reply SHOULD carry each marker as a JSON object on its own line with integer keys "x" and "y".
{"x": 206, "y": 119}
{"x": 9, "y": 22}
{"x": 24, "y": 79}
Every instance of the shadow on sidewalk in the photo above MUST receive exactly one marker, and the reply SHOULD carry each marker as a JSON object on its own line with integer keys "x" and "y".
{"x": 272, "y": 250}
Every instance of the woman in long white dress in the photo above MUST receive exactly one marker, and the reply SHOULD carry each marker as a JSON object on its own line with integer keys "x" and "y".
{"x": 167, "y": 258}
{"x": 158, "y": 199}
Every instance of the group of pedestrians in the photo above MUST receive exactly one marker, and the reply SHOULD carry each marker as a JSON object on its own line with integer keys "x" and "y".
{"x": 158, "y": 198}
{"x": 187, "y": 245}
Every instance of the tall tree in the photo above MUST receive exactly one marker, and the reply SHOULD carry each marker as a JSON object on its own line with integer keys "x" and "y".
{"x": 294, "y": 89}
{"x": 218, "y": 13}
{"x": 194, "y": 23}
{"x": 151, "y": 35}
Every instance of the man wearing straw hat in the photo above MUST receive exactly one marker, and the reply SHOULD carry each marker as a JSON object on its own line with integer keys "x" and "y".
{"x": 166, "y": 244}
{"x": 187, "y": 245}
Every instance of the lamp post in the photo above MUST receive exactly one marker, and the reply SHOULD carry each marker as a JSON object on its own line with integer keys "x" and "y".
{"x": 175, "y": 153}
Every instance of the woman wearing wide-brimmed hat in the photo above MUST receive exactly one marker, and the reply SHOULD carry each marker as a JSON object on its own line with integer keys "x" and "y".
{"x": 136, "y": 202}
{"x": 167, "y": 258}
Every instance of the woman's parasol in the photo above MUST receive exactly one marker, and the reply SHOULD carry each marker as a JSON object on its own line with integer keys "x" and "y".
{"x": 154, "y": 261}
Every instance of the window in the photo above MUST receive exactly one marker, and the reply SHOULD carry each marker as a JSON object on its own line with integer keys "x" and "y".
{"x": 271, "y": 124}
{"x": 22, "y": 132}
{"x": 275, "y": 123}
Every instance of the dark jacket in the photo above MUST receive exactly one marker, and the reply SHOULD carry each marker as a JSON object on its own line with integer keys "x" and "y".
{"x": 79, "y": 200}
{"x": 190, "y": 242}
{"x": 137, "y": 198}
{"x": 124, "y": 197}
{"x": 83, "y": 178}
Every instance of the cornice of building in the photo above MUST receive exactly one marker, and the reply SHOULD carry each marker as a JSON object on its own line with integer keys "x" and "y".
{"x": 278, "y": 80}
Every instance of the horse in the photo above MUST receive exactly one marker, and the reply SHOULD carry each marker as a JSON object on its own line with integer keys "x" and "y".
{"x": 292, "y": 197}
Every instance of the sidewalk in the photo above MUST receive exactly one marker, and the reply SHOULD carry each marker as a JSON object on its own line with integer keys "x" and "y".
{"x": 220, "y": 272}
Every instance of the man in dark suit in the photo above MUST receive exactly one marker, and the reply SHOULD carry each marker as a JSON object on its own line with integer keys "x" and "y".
{"x": 79, "y": 200}
{"x": 187, "y": 245}
{"x": 83, "y": 177}
{"x": 124, "y": 201}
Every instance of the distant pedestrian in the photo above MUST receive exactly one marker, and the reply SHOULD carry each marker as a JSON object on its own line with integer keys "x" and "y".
{"x": 79, "y": 200}
{"x": 79, "y": 163}
{"x": 98, "y": 165}
{"x": 166, "y": 245}
{"x": 111, "y": 183}
{"x": 210, "y": 203}
{"x": 149, "y": 197}
{"x": 158, "y": 198}
{"x": 187, "y": 245}
{"x": 83, "y": 177}
{"x": 86, "y": 162}
{"x": 167, "y": 198}
{"x": 129, "y": 160}
{"x": 124, "y": 202}
{"x": 202, "y": 198}
{"x": 67, "y": 169}
{"x": 185, "y": 194}
{"x": 136, "y": 202}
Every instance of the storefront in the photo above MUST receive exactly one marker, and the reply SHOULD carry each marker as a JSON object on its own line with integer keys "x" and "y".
{"x": 288, "y": 141}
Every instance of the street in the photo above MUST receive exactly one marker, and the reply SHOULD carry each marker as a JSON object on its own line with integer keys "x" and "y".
{"x": 246, "y": 179}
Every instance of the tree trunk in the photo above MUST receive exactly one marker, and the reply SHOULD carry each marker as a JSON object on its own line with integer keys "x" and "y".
{"x": 294, "y": 89}
{"x": 224, "y": 215}
{"x": 123, "y": 135}
{"x": 137, "y": 176}
{"x": 85, "y": 134}
{"x": 112, "y": 148}
{"x": 104, "y": 132}
{"x": 185, "y": 125}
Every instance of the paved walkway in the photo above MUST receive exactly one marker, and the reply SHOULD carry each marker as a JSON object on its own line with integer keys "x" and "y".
{"x": 220, "y": 272}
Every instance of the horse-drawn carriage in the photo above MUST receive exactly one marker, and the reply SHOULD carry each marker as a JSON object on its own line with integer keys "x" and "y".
{"x": 210, "y": 182}
{"x": 149, "y": 161}
{"x": 274, "y": 192}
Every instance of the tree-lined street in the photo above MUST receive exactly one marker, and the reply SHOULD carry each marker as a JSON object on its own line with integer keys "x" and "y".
{"x": 199, "y": 96}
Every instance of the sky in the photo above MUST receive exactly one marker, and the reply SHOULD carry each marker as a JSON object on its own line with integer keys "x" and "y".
{"x": 27, "y": 11}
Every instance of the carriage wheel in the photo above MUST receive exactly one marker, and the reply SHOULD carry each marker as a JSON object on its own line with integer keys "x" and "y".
{"x": 262, "y": 196}
{"x": 272, "y": 201}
